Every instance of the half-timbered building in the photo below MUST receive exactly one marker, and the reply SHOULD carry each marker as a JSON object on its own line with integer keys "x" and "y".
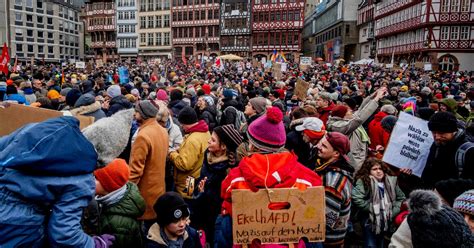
{"x": 235, "y": 27}
{"x": 439, "y": 32}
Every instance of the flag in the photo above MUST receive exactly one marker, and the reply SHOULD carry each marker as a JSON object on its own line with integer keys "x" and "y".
{"x": 4, "y": 59}
{"x": 219, "y": 64}
{"x": 63, "y": 80}
{"x": 16, "y": 64}
{"x": 282, "y": 55}
{"x": 274, "y": 56}
{"x": 183, "y": 57}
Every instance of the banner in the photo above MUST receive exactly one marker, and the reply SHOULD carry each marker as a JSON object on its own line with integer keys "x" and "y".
{"x": 4, "y": 59}
{"x": 305, "y": 60}
{"x": 81, "y": 65}
{"x": 123, "y": 75}
{"x": 304, "y": 216}
{"x": 409, "y": 144}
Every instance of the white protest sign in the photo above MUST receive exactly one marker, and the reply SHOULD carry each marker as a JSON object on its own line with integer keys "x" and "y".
{"x": 81, "y": 65}
{"x": 284, "y": 67}
{"x": 409, "y": 144}
{"x": 428, "y": 67}
{"x": 264, "y": 60}
{"x": 305, "y": 60}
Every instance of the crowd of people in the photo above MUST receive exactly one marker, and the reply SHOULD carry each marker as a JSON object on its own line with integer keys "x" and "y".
{"x": 171, "y": 141}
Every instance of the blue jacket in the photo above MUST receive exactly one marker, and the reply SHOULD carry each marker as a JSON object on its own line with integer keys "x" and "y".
{"x": 46, "y": 181}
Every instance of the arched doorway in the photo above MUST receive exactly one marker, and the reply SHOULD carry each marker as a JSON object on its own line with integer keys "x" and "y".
{"x": 448, "y": 63}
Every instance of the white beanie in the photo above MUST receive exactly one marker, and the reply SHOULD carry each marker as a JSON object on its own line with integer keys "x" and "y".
{"x": 114, "y": 91}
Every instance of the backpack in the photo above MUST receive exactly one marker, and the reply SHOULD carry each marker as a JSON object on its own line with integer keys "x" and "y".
{"x": 240, "y": 119}
{"x": 460, "y": 156}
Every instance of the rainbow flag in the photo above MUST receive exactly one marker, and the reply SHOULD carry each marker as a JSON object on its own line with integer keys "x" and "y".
{"x": 409, "y": 107}
{"x": 274, "y": 56}
{"x": 282, "y": 57}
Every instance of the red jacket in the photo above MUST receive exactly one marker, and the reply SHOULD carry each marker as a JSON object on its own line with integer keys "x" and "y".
{"x": 284, "y": 172}
{"x": 378, "y": 135}
{"x": 325, "y": 112}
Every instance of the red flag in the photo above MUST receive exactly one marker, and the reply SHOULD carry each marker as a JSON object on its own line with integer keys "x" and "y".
{"x": 183, "y": 57}
{"x": 63, "y": 80}
{"x": 4, "y": 59}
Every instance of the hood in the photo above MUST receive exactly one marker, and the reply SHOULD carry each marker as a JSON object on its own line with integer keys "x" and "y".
{"x": 379, "y": 116}
{"x": 200, "y": 127}
{"x": 211, "y": 109}
{"x": 39, "y": 148}
{"x": 121, "y": 100}
{"x": 179, "y": 104}
{"x": 254, "y": 169}
{"x": 84, "y": 100}
{"x": 230, "y": 102}
{"x": 86, "y": 109}
{"x": 132, "y": 204}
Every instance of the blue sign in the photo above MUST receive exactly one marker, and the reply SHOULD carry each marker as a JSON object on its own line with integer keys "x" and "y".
{"x": 123, "y": 75}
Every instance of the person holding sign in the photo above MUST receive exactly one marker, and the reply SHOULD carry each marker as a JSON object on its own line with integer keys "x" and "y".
{"x": 450, "y": 152}
{"x": 268, "y": 166}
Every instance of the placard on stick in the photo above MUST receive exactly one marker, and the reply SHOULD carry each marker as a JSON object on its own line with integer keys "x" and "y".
{"x": 252, "y": 219}
{"x": 301, "y": 89}
{"x": 276, "y": 71}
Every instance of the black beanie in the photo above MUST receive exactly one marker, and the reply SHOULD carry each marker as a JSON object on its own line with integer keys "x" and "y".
{"x": 176, "y": 95}
{"x": 72, "y": 97}
{"x": 170, "y": 208}
{"x": 425, "y": 113}
{"x": 187, "y": 116}
{"x": 444, "y": 122}
{"x": 229, "y": 136}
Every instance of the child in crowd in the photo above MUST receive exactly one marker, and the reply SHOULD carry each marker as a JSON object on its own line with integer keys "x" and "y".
{"x": 120, "y": 204}
{"x": 171, "y": 229}
{"x": 376, "y": 200}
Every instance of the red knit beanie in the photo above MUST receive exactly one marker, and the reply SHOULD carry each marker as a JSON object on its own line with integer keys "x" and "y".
{"x": 113, "y": 176}
{"x": 339, "y": 111}
{"x": 206, "y": 88}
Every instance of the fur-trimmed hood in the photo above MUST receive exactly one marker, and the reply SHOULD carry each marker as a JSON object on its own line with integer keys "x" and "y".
{"x": 86, "y": 109}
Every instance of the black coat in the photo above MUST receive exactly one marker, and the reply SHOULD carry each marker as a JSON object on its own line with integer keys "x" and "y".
{"x": 228, "y": 117}
{"x": 176, "y": 106}
{"x": 118, "y": 103}
{"x": 296, "y": 144}
{"x": 209, "y": 115}
{"x": 441, "y": 163}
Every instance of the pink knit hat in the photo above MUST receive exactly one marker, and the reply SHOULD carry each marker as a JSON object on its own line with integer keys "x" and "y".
{"x": 161, "y": 95}
{"x": 267, "y": 133}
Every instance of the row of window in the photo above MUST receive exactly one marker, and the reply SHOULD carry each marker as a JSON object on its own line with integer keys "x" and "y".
{"x": 400, "y": 16}
{"x": 277, "y": 16}
{"x": 153, "y": 5}
{"x": 230, "y": 7}
{"x": 196, "y": 32}
{"x": 41, "y": 49}
{"x": 195, "y": 15}
{"x": 100, "y": 6}
{"x": 127, "y": 43}
{"x": 49, "y": 20}
{"x": 50, "y": 35}
{"x": 126, "y": 3}
{"x": 126, "y": 28}
{"x": 273, "y": 1}
{"x": 239, "y": 41}
{"x": 455, "y": 33}
{"x": 63, "y": 11}
{"x": 276, "y": 39}
{"x": 155, "y": 21}
{"x": 101, "y": 21}
{"x": 155, "y": 39}
{"x": 126, "y": 15}
{"x": 235, "y": 23}
{"x": 402, "y": 39}
{"x": 455, "y": 5}
{"x": 193, "y": 2}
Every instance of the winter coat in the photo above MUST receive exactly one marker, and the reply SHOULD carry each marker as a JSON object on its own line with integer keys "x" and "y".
{"x": 189, "y": 157}
{"x": 86, "y": 105}
{"x": 121, "y": 219}
{"x": 209, "y": 115}
{"x": 402, "y": 237}
{"x": 17, "y": 97}
{"x": 325, "y": 112}
{"x": 155, "y": 240}
{"x": 296, "y": 144}
{"x": 361, "y": 196}
{"x": 250, "y": 174}
{"x": 359, "y": 147}
{"x": 452, "y": 107}
{"x": 147, "y": 163}
{"x": 29, "y": 95}
{"x": 208, "y": 203}
{"x": 176, "y": 106}
{"x": 175, "y": 136}
{"x": 337, "y": 181}
{"x": 229, "y": 116}
{"x": 45, "y": 184}
{"x": 441, "y": 162}
{"x": 378, "y": 135}
{"x": 118, "y": 103}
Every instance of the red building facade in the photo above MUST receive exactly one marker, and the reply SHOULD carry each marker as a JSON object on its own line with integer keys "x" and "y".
{"x": 277, "y": 25}
{"x": 439, "y": 32}
{"x": 195, "y": 28}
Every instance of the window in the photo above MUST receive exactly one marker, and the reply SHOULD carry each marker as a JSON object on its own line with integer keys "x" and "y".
{"x": 150, "y": 39}
{"x": 191, "y": 15}
{"x": 142, "y": 38}
{"x": 150, "y": 21}
{"x": 454, "y": 5}
{"x": 465, "y": 5}
{"x": 150, "y": 5}
{"x": 40, "y": 34}
{"x": 17, "y": 16}
{"x": 454, "y": 33}
{"x": 142, "y": 22}
{"x": 158, "y": 5}
{"x": 18, "y": 32}
{"x": 29, "y": 33}
{"x": 166, "y": 4}
{"x": 142, "y": 5}
{"x": 18, "y": 2}
{"x": 40, "y": 49}
{"x": 19, "y": 47}
{"x": 50, "y": 35}
{"x": 158, "y": 39}
{"x": 464, "y": 33}
{"x": 446, "y": 63}
{"x": 444, "y": 32}
{"x": 166, "y": 20}
{"x": 29, "y": 3}
{"x": 29, "y": 18}
{"x": 39, "y": 19}
{"x": 166, "y": 39}
{"x": 30, "y": 48}
{"x": 158, "y": 21}
{"x": 50, "y": 20}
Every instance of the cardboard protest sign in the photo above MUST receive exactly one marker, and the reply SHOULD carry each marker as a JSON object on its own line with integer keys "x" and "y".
{"x": 17, "y": 115}
{"x": 99, "y": 63}
{"x": 409, "y": 144}
{"x": 81, "y": 65}
{"x": 252, "y": 219}
{"x": 301, "y": 89}
{"x": 276, "y": 71}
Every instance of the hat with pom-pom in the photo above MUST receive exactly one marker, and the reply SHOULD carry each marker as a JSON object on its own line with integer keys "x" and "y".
{"x": 267, "y": 133}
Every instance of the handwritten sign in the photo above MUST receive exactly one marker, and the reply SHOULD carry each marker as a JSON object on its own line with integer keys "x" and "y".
{"x": 276, "y": 71}
{"x": 305, "y": 61}
{"x": 80, "y": 65}
{"x": 252, "y": 219}
{"x": 409, "y": 144}
{"x": 99, "y": 63}
{"x": 301, "y": 89}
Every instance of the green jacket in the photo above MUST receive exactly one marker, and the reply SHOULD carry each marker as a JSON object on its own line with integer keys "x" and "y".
{"x": 120, "y": 219}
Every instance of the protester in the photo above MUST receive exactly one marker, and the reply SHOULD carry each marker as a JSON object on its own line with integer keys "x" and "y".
{"x": 464, "y": 204}
{"x": 312, "y": 130}
{"x": 207, "y": 111}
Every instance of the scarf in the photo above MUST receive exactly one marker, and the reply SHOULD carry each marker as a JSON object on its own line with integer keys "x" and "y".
{"x": 380, "y": 206}
{"x": 363, "y": 134}
{"x": 172, "y": 243}
{"x": 112, "y": 197}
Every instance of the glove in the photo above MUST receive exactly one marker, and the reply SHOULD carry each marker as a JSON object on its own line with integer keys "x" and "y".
{"x": 103, "y": 241}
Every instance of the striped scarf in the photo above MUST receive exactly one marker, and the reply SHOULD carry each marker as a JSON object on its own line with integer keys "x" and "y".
{"x": 381, "y": 204}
